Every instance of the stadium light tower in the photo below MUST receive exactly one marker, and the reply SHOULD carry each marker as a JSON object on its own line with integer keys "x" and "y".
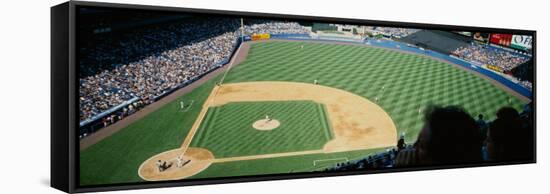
{"x": 242, "y": 30}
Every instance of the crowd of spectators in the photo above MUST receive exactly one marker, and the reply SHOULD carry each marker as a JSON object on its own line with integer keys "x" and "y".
{"x": 524, "y": 74}
{"x": 274, "y": 27}
{"x": 505, "y": 60}
{"x": 149, "y": 62}
{"x": 394, "y": 32}
{"x": 450, "y": 136}
{"x": 526, "y": 84}
{"x": 375, "y": 161}
{"x": 108, "y": 51}
{"x": 483, "y": 54}
{"x": 174, "y": 53}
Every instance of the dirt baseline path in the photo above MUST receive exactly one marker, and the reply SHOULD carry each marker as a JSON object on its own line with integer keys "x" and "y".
{"x": 357, "y": 123}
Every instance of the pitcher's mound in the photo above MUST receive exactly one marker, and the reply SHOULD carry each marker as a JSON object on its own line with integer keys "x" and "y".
{"x": 266, "y": 124}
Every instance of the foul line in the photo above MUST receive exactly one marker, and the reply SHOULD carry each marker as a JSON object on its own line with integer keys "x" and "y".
{"x": 262, "y": 156}
{"x": 330, "y": 159}
{"x": 208, "y": 101}
{"x": 198, "y": 121}
{"x": 231, "y": 63}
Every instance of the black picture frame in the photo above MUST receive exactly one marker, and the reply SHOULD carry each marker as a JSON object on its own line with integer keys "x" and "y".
{"x": 64, "y": 98}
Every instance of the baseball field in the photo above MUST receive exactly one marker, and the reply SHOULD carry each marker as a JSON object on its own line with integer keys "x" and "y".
{"x": 290, "y": 106}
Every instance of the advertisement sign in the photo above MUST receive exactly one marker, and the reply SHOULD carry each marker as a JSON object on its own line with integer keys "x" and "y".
{"x": 521, "y": 42}
{"x": 495, "y": 68}
{"x": 501, "y": 39}
{"x": 260, "y": 36}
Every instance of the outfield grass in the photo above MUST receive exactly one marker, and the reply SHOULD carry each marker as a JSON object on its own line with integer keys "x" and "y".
{"x": 410, "y": 82}
{"x": 227, "y": 130}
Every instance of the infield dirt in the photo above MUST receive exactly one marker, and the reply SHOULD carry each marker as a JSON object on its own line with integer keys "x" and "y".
{"x": 357, "y": 123}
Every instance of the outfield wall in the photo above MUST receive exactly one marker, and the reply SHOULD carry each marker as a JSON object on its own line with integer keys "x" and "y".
{"x": 405, "y": 47}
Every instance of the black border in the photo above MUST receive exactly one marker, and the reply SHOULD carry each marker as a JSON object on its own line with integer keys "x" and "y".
{"x": 73, "y": 98}
{"x": 59, "y": 129}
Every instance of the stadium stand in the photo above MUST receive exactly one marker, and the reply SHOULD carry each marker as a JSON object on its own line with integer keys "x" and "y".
{"x": 440, "y": 41}
{"x": 484, "y": 54}
{"x": 506, "y": 61}
{"x": 149, "y": 77}
{"x": 394, "y": 32}
{"x": 274, "y": 27}
{"x": 524, "y": 73}
{"x": 121, "y": 73}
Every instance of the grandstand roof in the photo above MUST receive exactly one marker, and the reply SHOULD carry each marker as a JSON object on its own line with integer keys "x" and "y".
{"x": 436, "y": 40}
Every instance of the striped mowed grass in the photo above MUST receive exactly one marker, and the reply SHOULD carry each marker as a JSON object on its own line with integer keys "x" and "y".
{"x": 403, "y": 83}
{"x": 227, "y": 130}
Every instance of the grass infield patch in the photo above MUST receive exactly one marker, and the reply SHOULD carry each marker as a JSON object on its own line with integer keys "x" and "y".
{"x": 227, "y": 130}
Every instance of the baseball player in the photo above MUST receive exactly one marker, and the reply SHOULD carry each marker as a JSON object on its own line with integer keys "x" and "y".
{"x": 160, "y": 166}
{"x": 179, "y": 161}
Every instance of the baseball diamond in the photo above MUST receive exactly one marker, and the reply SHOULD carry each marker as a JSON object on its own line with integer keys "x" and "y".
{"x": 227, "y": 131}
{"x": 326, "y": 115}
{"x": 355, "y": 123}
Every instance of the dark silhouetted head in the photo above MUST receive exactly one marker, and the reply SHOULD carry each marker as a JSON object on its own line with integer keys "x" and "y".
{"x": 507, "y": 113}
{"x": 507, "y": 139}
{"x": 449, "y": 136}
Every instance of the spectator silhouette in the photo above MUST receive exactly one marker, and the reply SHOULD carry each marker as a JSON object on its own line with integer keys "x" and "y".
{"x": 449, "y": 136}
{"x": 508, "y": 139}
{"x": 401, "y": 143}
{"x": 482, "y": 125}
